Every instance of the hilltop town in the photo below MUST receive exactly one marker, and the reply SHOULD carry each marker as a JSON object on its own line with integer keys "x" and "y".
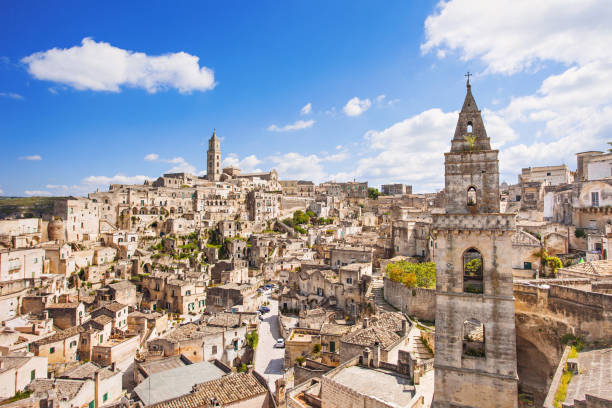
{"x": 250, "y": 290}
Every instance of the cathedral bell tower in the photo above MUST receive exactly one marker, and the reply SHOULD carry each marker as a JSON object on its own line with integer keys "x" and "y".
{"x": 213, "y": 158}
{"x": 475, "y": 359}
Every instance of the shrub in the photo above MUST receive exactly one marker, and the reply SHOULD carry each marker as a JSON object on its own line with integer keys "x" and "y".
{"x": 579, "y": 233}
{"x": 422, "y": 275}
{"x": 316, "y": 349}
{"x": 300, "y": 360}
{"x": 252, "y": 339}
{"x": 554, "y": 263}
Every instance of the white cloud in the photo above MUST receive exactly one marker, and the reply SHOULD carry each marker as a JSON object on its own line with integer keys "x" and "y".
{"x": 300, "y": 124}
{"x": 380, "y": 98}
{"x": 299, "y": 167}
{"x": 1, "y": 191}
{"x": 356, "y": 106}
{"x": 31, "y": 193}
{"x": 248, "y": 164}
{"x": 99, "y": 181}
{"x": 306, "y": 109}
{"x": 513, "y": 35}
{"x": 180, "y": 164}
{"x": 99, "y": 66}
{"x": 338, "y": 147}
{"x": 34, "y": 157}
{"x": 11, "y": 95}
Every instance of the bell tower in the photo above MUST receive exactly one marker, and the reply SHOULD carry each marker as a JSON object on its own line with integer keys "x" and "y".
{"x": 213, "y": 158}
{"x": 475, "y": 359}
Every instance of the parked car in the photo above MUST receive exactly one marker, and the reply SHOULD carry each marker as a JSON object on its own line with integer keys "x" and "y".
{"x": 280, "y": 343}
{"x": 264, "y": 309}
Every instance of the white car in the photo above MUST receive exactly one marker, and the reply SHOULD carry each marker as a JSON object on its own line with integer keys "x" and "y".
{"x": 280, "y": 343}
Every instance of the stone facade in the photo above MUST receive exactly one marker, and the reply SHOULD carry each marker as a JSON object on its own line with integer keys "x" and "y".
{"x": 475, "y": 332}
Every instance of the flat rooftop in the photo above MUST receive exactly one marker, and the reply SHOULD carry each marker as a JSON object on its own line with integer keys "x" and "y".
{"x": 594, "y": 377}
{"x": 386, "y": 386}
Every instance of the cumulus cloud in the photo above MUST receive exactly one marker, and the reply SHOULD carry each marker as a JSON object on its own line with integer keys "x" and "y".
{"x": 1, "y": 191}
{"x": 570, "y": 111}
{"x": 510, "y": 36}
{"x": 297, "y": 166}
{"x": 34, "y": 157}
{"x": 99, "y": 66}
{"x": 306, "y": 109}
{"x": 356, "y": 106}
{"x": 300, "y": 124}
{"x": 180, "y": 164}
{"x": 11, "y": 95}
{"x": 248, "y": 164}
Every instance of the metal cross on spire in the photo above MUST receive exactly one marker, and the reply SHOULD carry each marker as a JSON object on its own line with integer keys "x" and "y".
{"x": 468, "y": 75}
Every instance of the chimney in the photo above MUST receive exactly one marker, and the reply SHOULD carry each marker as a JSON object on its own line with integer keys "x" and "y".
{"x": 376, "y": 355}
{"x": 365, "y": 358}
{"x": 366, "y": 322}
{"x": 404, "y": 328}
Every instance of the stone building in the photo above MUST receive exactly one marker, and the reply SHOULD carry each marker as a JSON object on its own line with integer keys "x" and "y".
{"x": 263, "y": 206}
{"x": 81, "y": 218}
{"x": 213, "y": 159}
{"x": 396, "y": 189}
{"x": 475, "y": 331}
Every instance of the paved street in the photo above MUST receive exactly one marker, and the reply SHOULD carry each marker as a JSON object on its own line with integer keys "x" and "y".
{"x": 269, "y": 360}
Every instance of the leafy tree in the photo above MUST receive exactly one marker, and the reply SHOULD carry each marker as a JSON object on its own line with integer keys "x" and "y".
{"x": 252, "y": 339}
{"x": 299, "y": 217}
{"x": 422, "y": 275}
{"x": 474, "y": 267}
{"x": 554, "y": 263}
{"x": 316, "y": 349}
{"x": 610, "y": 148}
{"x": 373, "y": 193}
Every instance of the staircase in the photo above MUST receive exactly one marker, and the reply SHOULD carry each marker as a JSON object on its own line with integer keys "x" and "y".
{"x": 379, "y": 298}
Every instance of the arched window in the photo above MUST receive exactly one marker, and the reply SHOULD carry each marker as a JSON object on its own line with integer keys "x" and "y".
{"x": 472, "y": 271}
{"x": 471, "y": 196}
{"x": 473, "y": 338}
{"x": 469, "y": 127}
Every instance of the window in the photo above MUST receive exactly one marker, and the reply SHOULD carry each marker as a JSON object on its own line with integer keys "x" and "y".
{"x": 52, "y": 350}
{"x": 469, "y": 127}
{"x": 471, "y": 196}
{"x": 595, "y": 198}
{"x": 214, "y": 349}
{"x": 90, "y": 405}
{"x": 472, "y": 271}
{"x": 105, "y": 397}
{"x": 32, "y": 375}
{"x": 473, "y": 338}
{"x": 349, "y": 281}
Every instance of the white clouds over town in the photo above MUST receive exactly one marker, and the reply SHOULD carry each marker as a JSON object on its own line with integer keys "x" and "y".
{"x": 356, "y": 106}
{"x": 100, "y": 66}
{"x": 33, "y": 157}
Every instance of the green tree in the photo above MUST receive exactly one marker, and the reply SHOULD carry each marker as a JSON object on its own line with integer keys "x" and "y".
{"x": 373, "y": 193}
{"x": 252, "y": 339}
{"x": 554, "y": 263}
{"x": 421, "y": 275}
{"x": 316, "y": 349}
{"x": 299, "y": 217}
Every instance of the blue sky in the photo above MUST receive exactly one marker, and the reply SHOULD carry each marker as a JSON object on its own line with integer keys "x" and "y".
{"x": 130, "y": 90}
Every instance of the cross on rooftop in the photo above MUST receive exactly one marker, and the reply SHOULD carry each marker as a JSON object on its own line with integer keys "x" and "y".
{"x": 468, "y": 75}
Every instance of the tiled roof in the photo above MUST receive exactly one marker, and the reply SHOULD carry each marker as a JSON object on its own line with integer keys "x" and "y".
{"x": 602, "y": 268}
{"x": 65, "y": 389}
{"x": 115, "y": 306}
{"x": 367, "y": 337}
{"x": 71, "y": 305}
{"x": 59, "y": 336}
{"x": 225, "y": 390}
{"x": 13, "y": 362}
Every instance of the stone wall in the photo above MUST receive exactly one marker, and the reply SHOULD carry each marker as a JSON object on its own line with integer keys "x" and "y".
{"x": 417, "y": 302}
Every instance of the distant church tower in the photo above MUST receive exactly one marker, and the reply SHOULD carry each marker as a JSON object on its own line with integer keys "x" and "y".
{"x": 475, "y": 358}
{"x": 213, "y": 158}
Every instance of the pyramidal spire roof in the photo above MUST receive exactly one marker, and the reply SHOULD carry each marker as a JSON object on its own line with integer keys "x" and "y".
{"x": 470, "y": 133}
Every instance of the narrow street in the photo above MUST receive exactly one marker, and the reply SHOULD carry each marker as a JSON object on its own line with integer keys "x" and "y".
{"x": 269, "y": 360}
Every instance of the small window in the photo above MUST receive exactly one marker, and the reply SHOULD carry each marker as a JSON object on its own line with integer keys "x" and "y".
{"x": 214, "y": 349}
{"x": 472, "y": 271}
{"x": 91, "y": 404}
{"x": 469, "y": 127}
{"x": 473, "y": 338}
{"x": 471, "y": 196}
{"x": 105, "y": 397}
{"x": 32, "y": 375}
{"x": 52, "y": 350}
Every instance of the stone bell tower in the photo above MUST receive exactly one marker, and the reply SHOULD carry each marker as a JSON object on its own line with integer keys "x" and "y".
{"x": 213, "y": 158}
{"x": 475, "y": 359}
